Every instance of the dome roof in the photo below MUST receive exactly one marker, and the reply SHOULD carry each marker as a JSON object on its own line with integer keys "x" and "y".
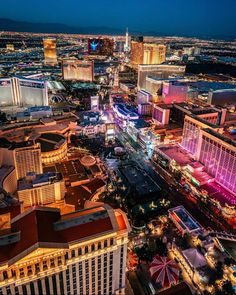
{"x": 165, "y": 271}
{"x": 88, "y": 160}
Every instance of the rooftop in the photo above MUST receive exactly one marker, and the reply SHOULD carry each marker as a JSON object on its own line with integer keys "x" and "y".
{"x": 184, "y": 219}
{"x": 42, "y": 227}
{"x": 34, "y": 180}
{"x": 78, "y": 195}
{"x": 220, "y": 194}
{"x": 140, "y": 123}
{"x": 139, "y": 180}
{"x": 223, "y": 138}
{"x": 50, "y": 141}
{"x": 177, "y": 153}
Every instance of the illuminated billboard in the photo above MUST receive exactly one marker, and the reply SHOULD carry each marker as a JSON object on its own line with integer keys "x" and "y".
{"x": 94, "y": 46}
{"x": 101, "y": 46}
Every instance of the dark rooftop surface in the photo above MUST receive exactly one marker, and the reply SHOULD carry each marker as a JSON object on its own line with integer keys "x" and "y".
{"x": 140, "y": 123}
{"x": 50, "y": 141}
{"x": 70, "y": 168}
{"x": 139, "y": 180}
{"x": 5, "y": 143}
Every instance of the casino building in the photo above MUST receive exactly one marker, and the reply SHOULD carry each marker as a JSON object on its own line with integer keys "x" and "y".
{"x": 81, "y": 70}
{"x": 214, "y": 150}
{"x": 53, "y": 147}
{"x": 83, "y": 252}
{"x": 50, "y": 51}
{"x": 41, "y": 189}
{"x": 23, "y": 92}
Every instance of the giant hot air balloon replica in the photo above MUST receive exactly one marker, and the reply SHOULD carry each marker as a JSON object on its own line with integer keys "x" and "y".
{"x": 164, "y": 271}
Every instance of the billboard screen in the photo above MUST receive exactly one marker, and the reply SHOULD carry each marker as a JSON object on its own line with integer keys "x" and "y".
{"x": 94, "y": 46}
{"x": 100, "y": 46}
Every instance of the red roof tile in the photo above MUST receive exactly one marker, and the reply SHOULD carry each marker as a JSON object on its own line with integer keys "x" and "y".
{"x": 40, "y": 225}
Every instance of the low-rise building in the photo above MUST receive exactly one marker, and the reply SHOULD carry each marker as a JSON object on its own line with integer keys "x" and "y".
{"x": 41, "y": 189}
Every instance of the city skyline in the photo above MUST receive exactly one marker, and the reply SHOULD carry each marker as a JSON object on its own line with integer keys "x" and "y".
{"x": 118, "y": 148}
{"x": 177, "y": 17}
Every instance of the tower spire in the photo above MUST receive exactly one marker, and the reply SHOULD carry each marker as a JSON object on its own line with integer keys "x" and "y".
{"x": 127, "y": 40}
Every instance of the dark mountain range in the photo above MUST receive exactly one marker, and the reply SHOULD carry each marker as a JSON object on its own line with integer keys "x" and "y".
{"x": 22, "y": 26}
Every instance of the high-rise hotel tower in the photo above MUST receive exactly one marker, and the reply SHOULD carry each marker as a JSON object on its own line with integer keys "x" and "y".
{"x": 83, "y": 252}
{"x": 50, "y": 51}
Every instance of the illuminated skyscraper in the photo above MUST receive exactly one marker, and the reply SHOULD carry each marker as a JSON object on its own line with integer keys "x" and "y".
{"x": 23, "y": 92}
{"x": 27, "y": 159}
{"x": 137, "y": 47}
{"x": 147, "y": 53}
{"x": 83, "y": 252}
{"x": 215, "y": 151}
{"x": 218, "y": 154}
{"x": 126, "y": 47}
{"x": 41, "y": 189}
{"x": 74, "y": 69}
{"x": 191, "y": 133}
{"x": 159, "y": 71}
{"x": 50, "y": 51}
{"x": 154, "y": 54}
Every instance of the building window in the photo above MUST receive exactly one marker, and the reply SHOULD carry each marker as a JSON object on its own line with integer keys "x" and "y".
{"x": 37, "y": 268}
{"x": 5, "y": 276}
{"x": 29, "y": 270}
{"x": 24, "y": 289}
{"x": 73, "y": 253}
{"x": 16, "y": 291}
{"x": 61, "y": 283}
{"x": 32, "y": 292}
{"x": 59, "y": 261}
{"x": 86, "y": 249}
{"x": 52, "y": 262}
{"x": 99, "y": 245}
{"x": 68, "y": 281}
{"x": 45, "y": 266}
{"x": 54, "y": 284}
{"x": 111, "y": 241}
{"x": 22, "y": 273}
{"x": 8, "y": 290}
{"x": 47, "y": 285}
{"x": 13, "y": 273}
{"x": 40, "y": 287}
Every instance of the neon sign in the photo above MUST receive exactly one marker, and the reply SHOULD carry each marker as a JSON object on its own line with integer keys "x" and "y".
{"x": 94, "y": 45}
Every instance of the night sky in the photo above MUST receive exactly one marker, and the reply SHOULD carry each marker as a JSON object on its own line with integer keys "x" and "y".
{"x": 200, "y": 17}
